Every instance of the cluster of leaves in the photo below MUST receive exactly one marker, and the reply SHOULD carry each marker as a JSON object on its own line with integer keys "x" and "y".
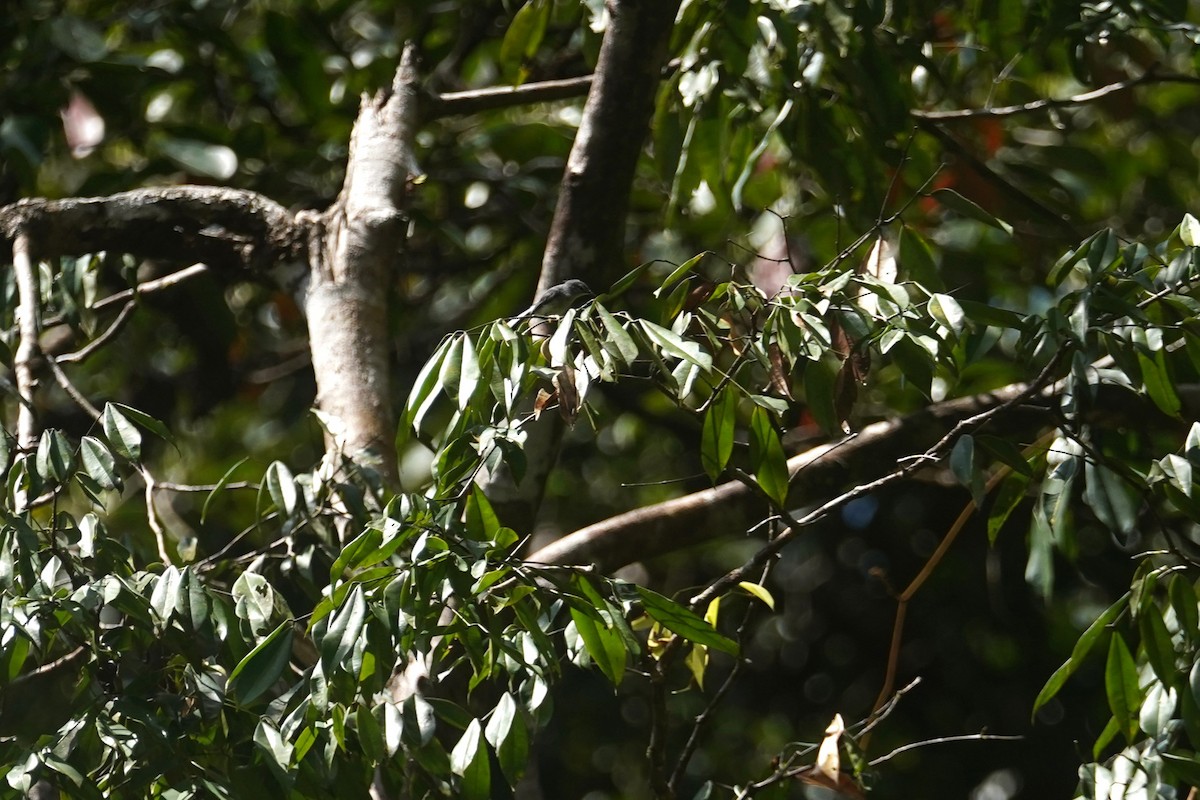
{"x": 134, "y": 668}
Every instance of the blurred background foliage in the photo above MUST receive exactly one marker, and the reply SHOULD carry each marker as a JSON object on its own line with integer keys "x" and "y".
{"x": 784, "y": 128}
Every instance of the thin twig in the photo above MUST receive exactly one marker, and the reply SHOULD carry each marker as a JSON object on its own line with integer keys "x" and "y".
{"x": 142, "y": 289}
{"x": 1050, "y": 103}
{"x": 494, "y": 97}
{"x": 72, "y": 392}
{"x": 969, "y": 737}
{"x": 701, "y": 721}
{"x": 160, "y": 536}
{"x": 111, "y": 331}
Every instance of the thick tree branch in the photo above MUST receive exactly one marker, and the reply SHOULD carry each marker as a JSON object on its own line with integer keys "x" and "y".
{"x": 732, "y": 507}
{"x": 224, "y": 228}
{"x": 587, "y": 232}
{"x": 353, "y": 248}
{"x": 29, "y": 326}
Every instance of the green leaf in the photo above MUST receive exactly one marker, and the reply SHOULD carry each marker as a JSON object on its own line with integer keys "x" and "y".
{"x": 672, "y": 344}
{"x": 98, "y": 463}
{"x": 964, "y": 469}
{"x": 1187, "y": 611}
{"x": 603, "y": 644}
{"x": 678, "y": 273}
{"x": 1156, "y": 641}
{"x": 220, "y": 486}
{"x": 1184, "y": 767}
{"x": 54, "y": 457}
{"x": 508, "y": 736}
{"x": 681, "y": 621}
{"x": 1083, "y": 646}
{"x": 1111, "y": 501}
{"x": 1121, "y": 687}
{"x": 618, "y": 342}
{"x": 819, "y": 377}
{"x": 343, "y": 632}
{"x": 427, "y": 387}
{"x": 1157, "y": 382}
{"x": 946, "y": 310}
{"x": 468, "y": 376}
{"x": 482, "y": 523}
{"x": 767, "y": 460}
{"x": 1007, "y": 498}
{"x": 469, "y": 760}
{"x": 121, "y": 433}
{"x": 1157, "y": 710}
{"x": 716, "y": 436}
{"x": 282, "y": 487}
{"x": 957, "y": 203}
{"x": 523, "y": 36}
{"x": 262, "y": 666}
{"x": 145, "y": 421}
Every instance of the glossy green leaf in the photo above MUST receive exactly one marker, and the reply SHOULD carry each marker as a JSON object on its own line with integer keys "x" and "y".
{"x": 767, "y": 461}
{"x": 1087, "y": 640}
{"x": 946, "y": 310}
{"x": 122, "y": 435}
{"x": 603, "y": 644}
{"x": 1121, "y": 687}
{"x": 344, "y": 630}
{"x": 524, "y": 35}
{"x": 679, "y": 273}
{"x": 509, "y": 738}
{"x": 716, "y": 436}
{"x": 681, "y": 621}
{"x": 469, "y": 760}
{"x": 262, "y": 666}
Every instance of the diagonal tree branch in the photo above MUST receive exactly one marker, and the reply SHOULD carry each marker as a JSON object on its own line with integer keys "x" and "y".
{"x": 732, "y": 506}
{"x": 587, "y": 232}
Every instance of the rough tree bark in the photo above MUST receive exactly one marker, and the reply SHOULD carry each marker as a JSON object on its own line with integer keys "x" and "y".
{"x": 352, "y": 249}
{"x": 588, "y": 230}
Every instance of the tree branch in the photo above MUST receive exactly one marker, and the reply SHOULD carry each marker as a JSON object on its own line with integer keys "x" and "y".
{"x": 587, "y": 232}
{"x": 353, "y": 248}
{"x": 471, "y": 102}
{"x": 224, "y": 228}
{"x": 1050, "y": 103}
{"x": 711, "y": 513}
{"x": 28, "y": 324}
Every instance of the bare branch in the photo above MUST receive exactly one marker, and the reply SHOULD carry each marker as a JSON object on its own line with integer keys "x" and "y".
{"x": 1050, "y": 103}
{"x": 29, "y": 327}
{"x": 225, "y": 228}
{"x": 494, "y": 97}
{"x": 91, "y": 347}
{"x": 67, "y": 386}
{"x": 142, "y": 289}
{"x": 711, "y": 513}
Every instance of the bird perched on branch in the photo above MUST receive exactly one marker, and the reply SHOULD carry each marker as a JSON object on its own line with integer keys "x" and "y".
{"x": 557, "y": 299}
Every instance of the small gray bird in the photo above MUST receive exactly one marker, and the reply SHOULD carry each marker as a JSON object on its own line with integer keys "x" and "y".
{"x": 557, "y": 299}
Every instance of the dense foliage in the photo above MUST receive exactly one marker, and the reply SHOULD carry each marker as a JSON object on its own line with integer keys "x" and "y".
{"x": 886, "y": 263}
